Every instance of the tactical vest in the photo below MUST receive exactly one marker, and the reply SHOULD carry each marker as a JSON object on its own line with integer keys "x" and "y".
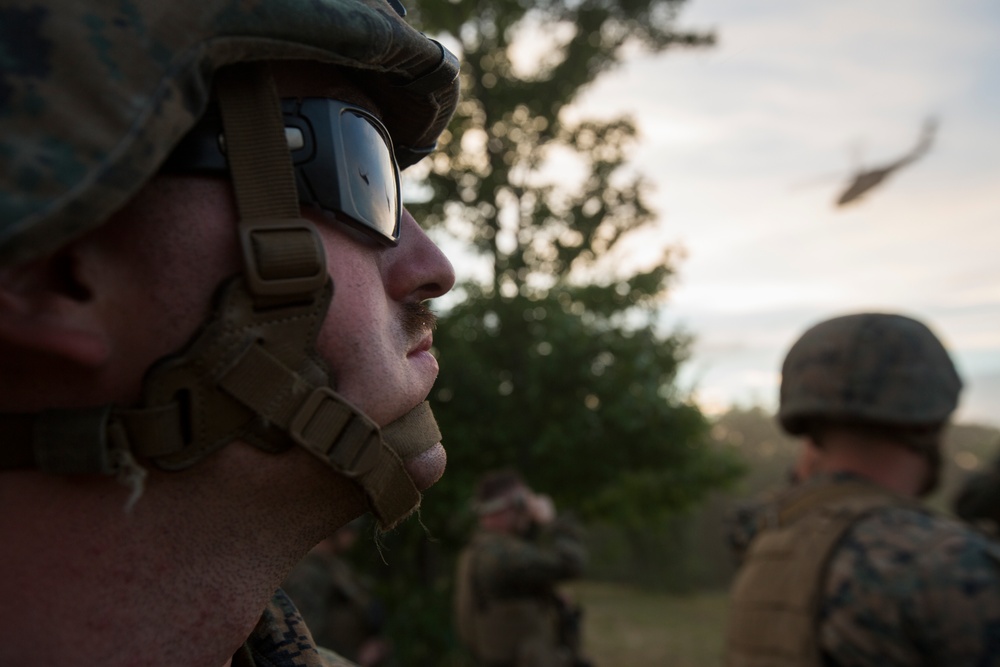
{"x": 775, "y": 600}
{"x": 513, "y": 632}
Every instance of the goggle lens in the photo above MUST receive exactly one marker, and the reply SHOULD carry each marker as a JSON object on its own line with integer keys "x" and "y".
{"x": 343, "y": 158}
{"x": 372, "y": 178}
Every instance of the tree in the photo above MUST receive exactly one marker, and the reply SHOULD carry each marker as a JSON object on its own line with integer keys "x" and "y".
{"x": 587, "y": 409}
{"x": 555, "y": 362}
{"x": 488, "y": 186}
{"x": 559, "y": 347}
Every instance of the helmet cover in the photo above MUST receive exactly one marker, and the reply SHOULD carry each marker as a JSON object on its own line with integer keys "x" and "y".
{"x": 877, "y": 368}
{"x": 94, "y": 95}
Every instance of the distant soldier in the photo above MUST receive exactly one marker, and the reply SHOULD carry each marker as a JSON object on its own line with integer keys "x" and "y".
{"x": 742, "y": 523}
{"x": 507, "y": 608}
{"x": 337, "y": 604}
{"x": 978, "y": 501}
{"x": 854, "y": 570}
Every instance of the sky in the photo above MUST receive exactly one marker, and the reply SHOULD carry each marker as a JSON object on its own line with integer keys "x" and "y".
{"x": 749, "y": 143}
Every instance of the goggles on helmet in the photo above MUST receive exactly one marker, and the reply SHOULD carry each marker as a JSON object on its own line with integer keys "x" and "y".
{"x": 342, "y": 155}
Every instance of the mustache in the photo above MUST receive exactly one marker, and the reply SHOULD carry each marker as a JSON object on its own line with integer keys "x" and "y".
{"x": 418, "y": 318}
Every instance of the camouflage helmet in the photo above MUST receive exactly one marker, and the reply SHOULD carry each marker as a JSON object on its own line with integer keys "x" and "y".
{"x": 876, "y": 368}
{"x": 94, "y": 95}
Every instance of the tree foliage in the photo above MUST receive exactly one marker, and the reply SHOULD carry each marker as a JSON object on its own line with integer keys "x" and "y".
{"x": 554, "y": 363}
{"x": 586, "y": 408}
{"x": 498, "y": 182}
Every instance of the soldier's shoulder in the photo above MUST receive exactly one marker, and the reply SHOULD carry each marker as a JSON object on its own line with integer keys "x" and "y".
{"x": 921, "y": 531}
{"x": 907, "y": 583}
{"x": 281, "y": 639}
{"x": 905, "y": 550}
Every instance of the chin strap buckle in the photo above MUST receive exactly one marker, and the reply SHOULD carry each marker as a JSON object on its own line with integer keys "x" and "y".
{"x": 327, "y": 425}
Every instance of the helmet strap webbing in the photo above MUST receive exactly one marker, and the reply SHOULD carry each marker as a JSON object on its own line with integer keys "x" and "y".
{"x": 252, "y": 372}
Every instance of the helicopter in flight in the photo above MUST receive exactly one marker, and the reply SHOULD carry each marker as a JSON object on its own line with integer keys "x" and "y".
{"x": 866, "y": 179}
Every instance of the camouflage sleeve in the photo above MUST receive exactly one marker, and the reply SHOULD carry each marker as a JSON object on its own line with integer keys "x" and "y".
{"x": 908, "y": 588}
{"x": 511, "y": 566}
{"x": 565, "y": 538}
{"x": 281, "y": 639}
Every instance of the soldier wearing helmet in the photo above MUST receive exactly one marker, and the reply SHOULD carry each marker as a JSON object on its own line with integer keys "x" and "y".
{"x": 214, "y": 343}
{"x": 507, "y": 606}
{"x": 850, "y": 568}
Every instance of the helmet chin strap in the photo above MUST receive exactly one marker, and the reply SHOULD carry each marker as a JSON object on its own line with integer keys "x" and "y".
{"x": 252, "y": 372}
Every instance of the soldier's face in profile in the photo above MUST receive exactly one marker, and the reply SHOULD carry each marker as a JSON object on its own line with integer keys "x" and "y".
{"x": 177, "y": 242}
{"x": 377, "y": 334}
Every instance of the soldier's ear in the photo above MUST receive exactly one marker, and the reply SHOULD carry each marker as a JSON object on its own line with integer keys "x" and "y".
{"x": 47, "y": 310}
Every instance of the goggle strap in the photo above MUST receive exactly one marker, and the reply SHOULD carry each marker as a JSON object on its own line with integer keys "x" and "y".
{"x": 258, "y": 156}
{"x": 283, "y": 253}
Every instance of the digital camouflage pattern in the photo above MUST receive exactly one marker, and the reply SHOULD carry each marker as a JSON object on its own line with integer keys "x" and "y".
{"x": 909, "y": 588}
{"x": 94, "y": 95}
{"x": 281, "y": 639}
{"x": 906, "y": 587}
{"x": 873, "y": 367}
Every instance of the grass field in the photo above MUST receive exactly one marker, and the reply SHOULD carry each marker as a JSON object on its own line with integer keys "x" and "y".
{"x": 629, "y": 627}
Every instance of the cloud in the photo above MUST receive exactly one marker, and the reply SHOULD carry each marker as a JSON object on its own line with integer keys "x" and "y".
{"x": 749, "y": 143}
